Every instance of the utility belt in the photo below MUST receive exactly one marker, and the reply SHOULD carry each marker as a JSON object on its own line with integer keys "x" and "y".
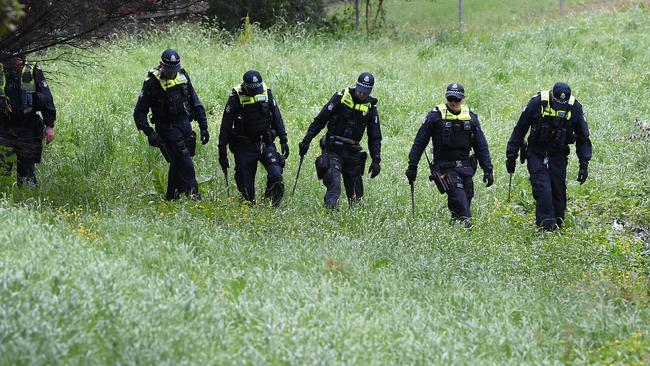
{"x": 471, "y": 162}
{"x": 169, "y": 122}
{"x": 333, "y": 142}
{"x": 266, "y": 137}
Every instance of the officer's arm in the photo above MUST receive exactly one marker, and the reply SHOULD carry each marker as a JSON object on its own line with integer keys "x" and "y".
{"x": 277, "y": 123}
{"x": 44, "y": 98}
{"x": 323, "y": 117}
{"x": 228, "y": 119}
{"x": 521, "y": 128}
{"x": 583, "y": 142}
{"x": 422, "y": 139}
{"x": 374, "y": 135}
{"x": 142, "y": 109}
{"x": 480, "y": 146}
{"x": 198, "y": 111}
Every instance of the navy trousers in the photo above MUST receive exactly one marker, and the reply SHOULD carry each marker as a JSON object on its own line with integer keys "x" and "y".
{"x": 24, "y": 145}
{"x": 247, "y": 155}
{"x": 459, "y": 197}
{"x": 181, "y": 178}
{"x": 349, "y": 165}
{"x": 548, "y": 180}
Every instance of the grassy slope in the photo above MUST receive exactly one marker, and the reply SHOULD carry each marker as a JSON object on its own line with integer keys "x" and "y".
{"x": 96, "y": 269}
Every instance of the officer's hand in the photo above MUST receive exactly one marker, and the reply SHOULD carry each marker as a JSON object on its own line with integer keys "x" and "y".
{"x": 488, "y": 179}
{"x": 582, "y": 175}
{"x": 205, "y": 136}
{"x": 411, "y": 173}
{"x": 285, "y": 149}
{"x": 303, "y": 147}
{"x": 511, "y": 164}
{"x": 48, "y": 134}
{"x": 154, "y": 139}
{"x": 223, "y": 158}
{"x": 375, "y": 168}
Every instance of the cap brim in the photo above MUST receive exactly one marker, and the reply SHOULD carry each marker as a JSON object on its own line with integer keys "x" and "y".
{"x": 255, "y": 91}
{"x": 363, "y": 89}
{"x": 172, "y": 68}
{"x": 454, "y": 94}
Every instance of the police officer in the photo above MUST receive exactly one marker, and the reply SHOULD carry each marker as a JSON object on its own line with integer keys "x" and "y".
{"x": 168, "y": 92}
{"x": 23, "y": 93}
{"x": 347, "y": 115}
{"x": 555, "y": 119}
{"x": 251, "y": 121}
{"x": 454, "y": 130}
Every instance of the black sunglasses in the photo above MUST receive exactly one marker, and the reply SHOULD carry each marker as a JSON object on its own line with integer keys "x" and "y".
{"x": 453, "y": 99}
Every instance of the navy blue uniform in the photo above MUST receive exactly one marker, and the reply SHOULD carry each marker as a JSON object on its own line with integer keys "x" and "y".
{"x": 452, "y": 141}
{"x": 548, "y": 150}
{"x": 250, "y": 131}
{"x": 341, "y": 152}
{"x": 172, "y": 110}
{"x": 21, "y": 127}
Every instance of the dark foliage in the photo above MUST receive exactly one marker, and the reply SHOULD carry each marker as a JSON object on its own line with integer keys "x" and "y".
{"x": 230, "y": 13}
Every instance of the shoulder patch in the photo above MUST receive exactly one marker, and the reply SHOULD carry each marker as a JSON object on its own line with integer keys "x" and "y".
{"x": 340, "y": 93}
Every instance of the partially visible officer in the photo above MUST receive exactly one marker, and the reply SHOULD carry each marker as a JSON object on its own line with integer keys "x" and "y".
{"x": 168, "y": 92}
{"x": 251, "y": 121}
{"x": 555, "y": 119}
{"x": 454, "y": 130}
{"x": 23, "y": 93}
{"x": 347, "y": 115}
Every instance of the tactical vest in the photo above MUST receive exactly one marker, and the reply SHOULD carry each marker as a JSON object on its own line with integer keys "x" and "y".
{"x": 457, "y": 130}
{"x": 173, "y": 103}
{"x": 552, "y": 129}
{"x": 27, "y": 88}
{"x": 352, "y": 120}
{"x": 256, "y": 112}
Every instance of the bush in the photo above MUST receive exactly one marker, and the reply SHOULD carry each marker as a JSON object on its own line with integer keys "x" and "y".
{"x": 230, "y": 14}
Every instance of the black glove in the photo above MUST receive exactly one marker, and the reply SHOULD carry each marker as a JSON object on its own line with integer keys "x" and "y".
{"x": 303, "y": 147}
{"x": 375, "y": 168}
{"x": 488, "y": 179}
{"x": 582, "y": 175}
{"x": 223, "y": 158}
{"x": 411, "y": 173}
{"x": 154, "y": 139}
{"x": 511, "y": 164}
{"x": 284, "y": 146}
{"x": 205, "y": 136}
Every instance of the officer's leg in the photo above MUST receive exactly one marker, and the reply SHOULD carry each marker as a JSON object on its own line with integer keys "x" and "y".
{"x": 182, "y": 176}
{"x": 25, "y": 164}
{"x": 557, "y": 170}
{"x": 332, "y": 180}
{"x": 540, "y": 181}
{"x": 352, "y": 172}
{"x": 468, "y": 183}
{"x": 7, "y": 159}
{"x": 273, "y": 163}
{"x": 456, "y": 197}
{"x": 246, "y": 158}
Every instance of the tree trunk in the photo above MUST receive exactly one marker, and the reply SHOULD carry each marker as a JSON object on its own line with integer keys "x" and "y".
{"x": 367, "y": 17}
{"x": 357, "y": 14}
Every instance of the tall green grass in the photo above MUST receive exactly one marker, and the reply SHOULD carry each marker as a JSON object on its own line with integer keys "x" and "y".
{"x": 97, "y": 269}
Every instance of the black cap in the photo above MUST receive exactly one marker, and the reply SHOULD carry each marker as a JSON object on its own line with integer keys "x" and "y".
{"x": 253, "y": 82}
{"x": 455, "y": 90}
{"x": 365, "y": 82}
{"x": 171, "y": 60}
{"x": 561, "y": 92}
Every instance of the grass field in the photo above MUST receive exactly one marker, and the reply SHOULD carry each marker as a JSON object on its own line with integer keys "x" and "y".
{"x": 95, "y": 268}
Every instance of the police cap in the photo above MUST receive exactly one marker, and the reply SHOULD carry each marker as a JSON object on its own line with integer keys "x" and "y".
{"x": 561, "y": 92}
{"x": 171, "y": 60}
{"x": 253, "y": 82}
{"x": 455, "y": 90}
{"x": 365, "y": 82}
